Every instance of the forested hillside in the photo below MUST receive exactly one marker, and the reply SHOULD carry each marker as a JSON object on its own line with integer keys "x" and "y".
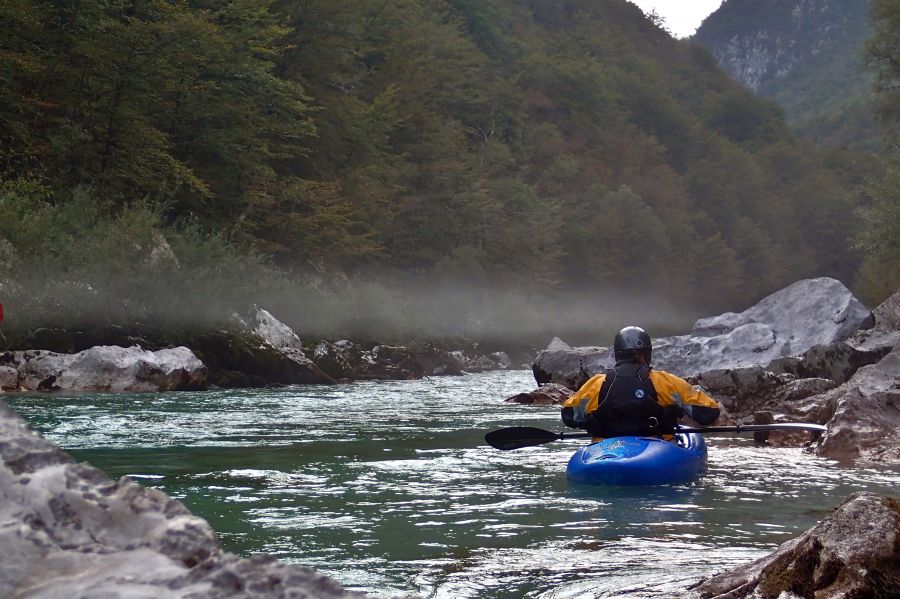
{"x": 806, "y": 55}
{"x": 164, "y": 158}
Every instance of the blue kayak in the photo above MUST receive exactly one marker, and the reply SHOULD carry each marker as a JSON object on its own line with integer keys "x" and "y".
{"x": 639, "y": 461}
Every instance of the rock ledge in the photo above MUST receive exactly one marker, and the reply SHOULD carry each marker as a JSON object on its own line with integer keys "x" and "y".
{"x": 854, "y": 552}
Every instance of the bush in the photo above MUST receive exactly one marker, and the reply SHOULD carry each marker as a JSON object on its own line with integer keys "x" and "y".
{"x": 65, "y": 262}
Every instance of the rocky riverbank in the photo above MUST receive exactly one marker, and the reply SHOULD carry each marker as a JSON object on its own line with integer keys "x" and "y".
{"x": 70, "y": 531}
{"x": 809, "y": 352}
{"x": 854, "y": 552}
{"x": 255, "y": 351}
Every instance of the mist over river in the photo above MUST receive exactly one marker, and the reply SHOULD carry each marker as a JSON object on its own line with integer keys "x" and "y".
{"x": 389, "y": 488}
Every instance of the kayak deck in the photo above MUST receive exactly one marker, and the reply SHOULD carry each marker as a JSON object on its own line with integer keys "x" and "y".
{"x": 639, "y": 461}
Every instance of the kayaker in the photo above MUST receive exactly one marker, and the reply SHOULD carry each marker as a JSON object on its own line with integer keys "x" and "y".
{"x": 632, "y": 399}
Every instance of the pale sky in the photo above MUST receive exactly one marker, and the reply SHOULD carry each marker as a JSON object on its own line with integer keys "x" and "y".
{"x": 682, "y": 16}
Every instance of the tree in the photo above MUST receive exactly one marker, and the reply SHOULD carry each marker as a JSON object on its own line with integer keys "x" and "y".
{"x": 880, "y": 236}
{"x": 883, "y": 57}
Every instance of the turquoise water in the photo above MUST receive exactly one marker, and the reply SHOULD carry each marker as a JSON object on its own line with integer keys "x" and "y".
{"x": 389, "y": 488}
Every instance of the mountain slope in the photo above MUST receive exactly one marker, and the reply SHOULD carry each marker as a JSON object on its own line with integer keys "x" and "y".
{"x": 807, "y": 55}
{"x": 570, "y": 146}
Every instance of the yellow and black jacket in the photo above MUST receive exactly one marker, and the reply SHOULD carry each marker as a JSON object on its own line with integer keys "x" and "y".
{"x": 632, "y": 399}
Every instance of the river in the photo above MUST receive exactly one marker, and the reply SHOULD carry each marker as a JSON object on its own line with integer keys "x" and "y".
{"x": 389, "y": 488}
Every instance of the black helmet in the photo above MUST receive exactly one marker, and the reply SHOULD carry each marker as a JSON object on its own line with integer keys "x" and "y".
{"x": 631, "y": 340}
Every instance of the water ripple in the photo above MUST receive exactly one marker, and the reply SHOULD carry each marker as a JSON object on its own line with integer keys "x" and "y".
{"x": 389, "y": 487}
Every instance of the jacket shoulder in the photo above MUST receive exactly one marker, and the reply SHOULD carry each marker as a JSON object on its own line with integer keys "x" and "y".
{"x": 668, "y": 376}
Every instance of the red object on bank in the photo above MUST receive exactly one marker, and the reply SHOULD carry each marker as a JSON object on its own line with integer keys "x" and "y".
{"x": 1, "y": 312}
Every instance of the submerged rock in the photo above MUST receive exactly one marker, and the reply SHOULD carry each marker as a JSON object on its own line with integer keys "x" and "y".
{"x": 548, "y": 394}
{"x": 854, "y": 552}
{"x": 70, "y": 531}
{"x": 109, "y": 368}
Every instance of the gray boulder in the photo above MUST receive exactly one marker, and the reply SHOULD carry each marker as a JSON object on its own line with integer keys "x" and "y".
{"x": 275, "y": 332}
{"x": 285, "y": 341}
{"x": 862, "y": 414}
{"x": 887, "y": 314}
{"x": 801, "y": 315}
{"x": 336, "y": 359}
{"x": 560, "y": 363}
{"x": 109, "y": 368}
{"x": 851, "y": 553}
{"x": 739, "y": 390}
{"x": 389, "y": 362}
{"x": 474, "y": 361}
{"x": 70, "y": 531}
{"x": 244, "y": 359}
{"x": 436, "y": 359}
{"x": 9, "y": 378}
{"x": 787, "y": 323}
{"x": 865, "y": 426}
{"x": 840, "y": 360}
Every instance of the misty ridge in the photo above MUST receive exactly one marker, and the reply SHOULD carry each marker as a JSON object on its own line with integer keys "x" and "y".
{"x": 394, "y": 308}
{"x": 494, "y": 316}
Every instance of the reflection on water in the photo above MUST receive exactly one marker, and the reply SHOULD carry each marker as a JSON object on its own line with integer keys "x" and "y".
{"x": 389, "y": 487}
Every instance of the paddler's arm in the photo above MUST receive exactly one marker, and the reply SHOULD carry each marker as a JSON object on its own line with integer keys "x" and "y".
{"x": 697, "y": 405}
{"x": 576, "y": 408}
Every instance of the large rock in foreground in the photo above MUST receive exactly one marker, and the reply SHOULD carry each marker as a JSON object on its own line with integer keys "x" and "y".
{"x": 787, "y": 323}
{"x": 69, "y": 531}
{"x": 106, "y": 368}
{"x": 854, "y": 552}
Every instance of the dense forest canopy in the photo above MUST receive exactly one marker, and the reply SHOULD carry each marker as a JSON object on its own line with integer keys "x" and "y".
{"x": 879, "y": 236}
{"x": 187, "y": 157}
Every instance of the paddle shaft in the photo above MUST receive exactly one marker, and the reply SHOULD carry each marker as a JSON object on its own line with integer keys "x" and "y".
{"x": 528, "y": 436}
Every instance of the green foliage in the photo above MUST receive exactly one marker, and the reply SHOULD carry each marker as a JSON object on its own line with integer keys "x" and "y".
{"x": 570, "y": 147}
{"x": 879, "y": 237}
{"x": 66, "y": 263}
{"x": 746, "y": 120}
{"x": 883, "y": 57}
{"x": 813, "y": 58}
{"x": 879, "y": 276}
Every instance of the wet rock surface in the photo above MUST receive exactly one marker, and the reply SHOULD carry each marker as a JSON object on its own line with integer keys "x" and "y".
{"x": 854, "y": 552}
{"x": 70, "y": 531}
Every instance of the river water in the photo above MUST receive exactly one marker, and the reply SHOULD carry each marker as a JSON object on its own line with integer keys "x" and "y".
{"x": 389, "y": 488}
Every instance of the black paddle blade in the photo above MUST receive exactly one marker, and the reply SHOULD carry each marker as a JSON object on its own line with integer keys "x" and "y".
{"x": 516, "y": 437}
